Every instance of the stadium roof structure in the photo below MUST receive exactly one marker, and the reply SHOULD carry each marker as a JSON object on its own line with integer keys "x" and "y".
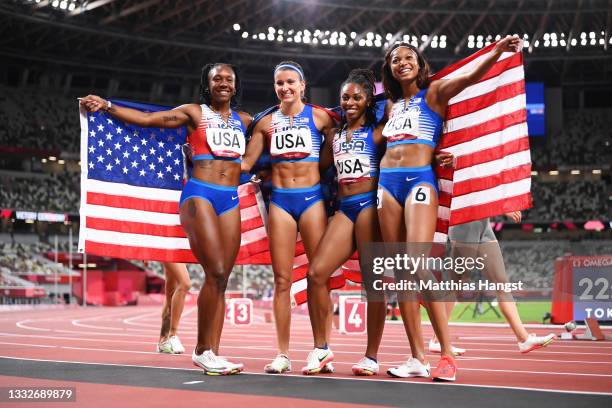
{"x": 567, "y": 42}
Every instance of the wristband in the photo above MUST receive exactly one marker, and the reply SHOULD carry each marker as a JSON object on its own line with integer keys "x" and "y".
{"x": 109, "y": 105}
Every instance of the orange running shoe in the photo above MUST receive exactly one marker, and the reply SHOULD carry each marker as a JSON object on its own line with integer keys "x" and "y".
{"x": 446, "y": 370}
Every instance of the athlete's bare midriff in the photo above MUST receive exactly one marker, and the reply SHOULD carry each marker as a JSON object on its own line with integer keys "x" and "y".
{"x": 221, "y": 172}
{"x": 407, "y": 155}
{"x": 295, "y": 174}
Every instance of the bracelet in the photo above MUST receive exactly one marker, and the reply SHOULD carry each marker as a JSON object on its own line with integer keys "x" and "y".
{"x": 109, "y": 105}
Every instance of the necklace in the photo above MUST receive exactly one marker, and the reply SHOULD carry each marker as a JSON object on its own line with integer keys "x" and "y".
{"x": 224, "y": 115}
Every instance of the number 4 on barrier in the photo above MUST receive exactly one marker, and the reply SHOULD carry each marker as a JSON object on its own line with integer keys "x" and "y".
{"x": 353, "y": 311}
{"x": 239, "y": 311}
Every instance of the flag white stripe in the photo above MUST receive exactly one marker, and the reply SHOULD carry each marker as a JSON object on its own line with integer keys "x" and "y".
{"x": 300, "y": 260}
{"x": 126, "y": 190}
{"x": 503, "y": 191}
{"x": 493, "y": 167}
{"x": 440, "y": 237}
{"x": 483, "y": 115}
{"x": 482, "y": 88}
{"x": 298, "y": 286}
{"x": 494, "y": 139}
{"x": 127, "y": 214}
{"x": 443, "y": 212}
{"x": 470, "y": 66}
{"x": 253, "y": 235}
{"x": 135, "y": 240}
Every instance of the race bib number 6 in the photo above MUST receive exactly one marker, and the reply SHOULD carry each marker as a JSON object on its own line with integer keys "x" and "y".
{"x": 421, "y": 195}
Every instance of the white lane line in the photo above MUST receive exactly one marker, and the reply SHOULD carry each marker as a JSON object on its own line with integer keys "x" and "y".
{"x": 323, "y": 378}
{"x": 28, "y": 344}
{"x": 22, "y": 325}
{"x": 193, "y": 382}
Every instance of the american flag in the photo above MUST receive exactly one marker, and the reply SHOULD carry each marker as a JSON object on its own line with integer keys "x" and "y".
{"x": 486, "y": 130}
{"x": 131, "y": 181}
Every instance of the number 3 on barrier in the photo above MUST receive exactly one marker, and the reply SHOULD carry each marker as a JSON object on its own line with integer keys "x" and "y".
{"x": 240, "y": 311}
{"x": 353, "y": 311}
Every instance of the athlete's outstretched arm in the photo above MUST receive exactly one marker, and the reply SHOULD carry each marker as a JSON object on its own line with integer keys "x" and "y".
{"x": 256, "y": 145}
{"x": 164, "y": 119}
{"x": 446, "y": 89}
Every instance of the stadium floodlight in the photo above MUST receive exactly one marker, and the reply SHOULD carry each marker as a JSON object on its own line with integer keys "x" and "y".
{"x": 297, "y": 39}
{"x": 592, "y": 34}
{"x": 71, "y": 7}
{"x": 315, "y": 40}
{"x": 583, "y": 41}
{"x": 289, "y": 39}
{"x": 534, "y": 173}
{"x": 254, "y": 36}
{"x": 290, "y": 32}
{"x": 369, "y": 36}
{"x": 245, "y": 34}
{"x": 575, "y": 172}
{"x": 470, "y": 45}
{"x": 471, "y": 38}
{"x": 553, "y": 36}
{"x": 443, "y": 44}
{"x": 262, "y": 36}
{"x": 583, "y": 35}
{"x": 362, "y": 42}
{"x": 369, "y": 43}
{"x": 342, "y": 41}
{"x": 378, "y": 43}
{"x": 236, "y": 27}
{"x": 55, "y": 3}
{"x": 573, "y": 42}
{"x": 526, "y": 43}
{"x": 271, "y": 30}
{"x": 353, "y": 35}
{"x": 306, "y": 39}
{"x": 546, "y": 36}
{"x": 480, "y": 38}
{"x": 554, "y": 43}
{"x": 388, "y": 37}
{"x": 44, "y": 160}
{"x": 324, "y": 41}
{"x": 424, "y": 38}
{"x": 60, "y": 161}
{"x": 52, "y": 158}
{"x": 596, "y": 171}
{"x": 593, "y": 41}
{"x": 563, "y": 43}
{"x": 270, "y": 37}
{"x": 279, "y": 38}
{"x": 434, "y": 44}
{"x": 479, "y": 44}
{"x": 554, "y": 172}
{"x": 280, "y": 31}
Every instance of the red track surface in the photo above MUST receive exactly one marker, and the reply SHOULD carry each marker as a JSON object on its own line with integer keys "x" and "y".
{"x": 126, "y": 336}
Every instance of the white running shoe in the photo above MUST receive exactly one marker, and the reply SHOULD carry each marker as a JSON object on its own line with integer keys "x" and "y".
{"x": 534, "y": 342}
{"x": 328, "y": 369}
{"x": 211, "y": 365}
{"x": 434, "y": 347}
{"x": 280, "y": 364}
{"x": 177, "y": 346}
{"x": 411, "y": 368}
{"x": 165, "y": 347}
{"x": 366, "y": 366}
{"x": 317, "y": 359}
{"x": 234, "y": 367}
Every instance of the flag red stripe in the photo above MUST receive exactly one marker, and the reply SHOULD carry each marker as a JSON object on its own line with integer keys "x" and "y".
{"x": 445, "y": 199}
{"x": 248, "y": 225}
{"x": 493, "y": 208}
{"x": 493, "y": 153}
{"x": 135, "y": 227}
{"x": 445, "y": 71}
{"x": 502, "y": 66}
{"x": 484, "y": 183}
{"x": 494, "y": 125}
{"x": 144, "y": 253}
{"x": 142, "y": 204}
{"x": 483, "y": 101}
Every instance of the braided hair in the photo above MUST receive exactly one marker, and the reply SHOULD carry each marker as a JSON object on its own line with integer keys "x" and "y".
{"x": 365, "y": 79}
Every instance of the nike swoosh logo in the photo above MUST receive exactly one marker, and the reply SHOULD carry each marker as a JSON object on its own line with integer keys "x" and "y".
{"x": 323, "y": 358}
{"x": 234, "y": 198}
{"x": 411, "y": 178}
{"x": 309, "y": 198}
{"x": 362, "y": 204}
